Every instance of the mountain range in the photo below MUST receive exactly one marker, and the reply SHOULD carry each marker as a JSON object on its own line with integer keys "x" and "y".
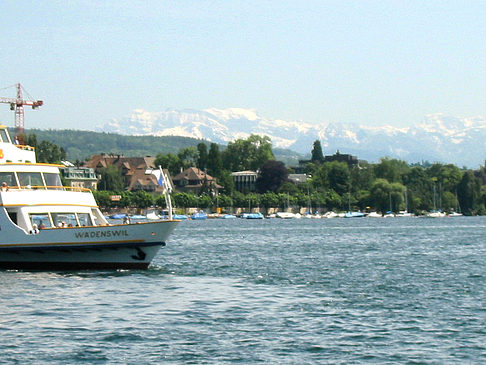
{"x": 438, "y": 138}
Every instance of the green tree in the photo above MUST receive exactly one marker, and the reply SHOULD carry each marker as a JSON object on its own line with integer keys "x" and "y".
{"x": 224, "y": 201}
{"x": 469, "y": 193}
{"x": 185, "y": 200}
{"x": 142, "y": 199}
{"x": 272, "y": 175}
{"x": 316, "y": 153}
{"x": 204, "y": 201}
{"x": 49, "y": 152}
{"x": 387, "y": 196}
{"x": 269, "y": 200}
{"x": 249, "y": 154}
{"x": 214, "y": 162}
{"x": 188, "y": 157}
{"x": 170, "y": 162}
{"x": 111, "y": 179}
{"x": 202, "y": 159}
{"x": 339, "y": 177}
{"x": 391, "y": 169}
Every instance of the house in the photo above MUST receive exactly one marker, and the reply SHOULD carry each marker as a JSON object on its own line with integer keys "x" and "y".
{"x": 133, "y": 170}
{"x": 245, "y": 181}
{"x": 79, "y": 177}
{"x": 298, "y": 178}
{"x": 195, "y": 181}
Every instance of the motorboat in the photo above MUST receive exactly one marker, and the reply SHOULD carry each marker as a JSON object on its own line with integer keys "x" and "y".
{"x": 330, "y": 214}
{"x": 47, "y": 226}
{"x": 285, "y": 215}
{"x": 152, "y": 216}
{"x": 374, "y": 215}
{"x": 199, "y": 216}
{"x": 354, "y": 215}
{"x": 252, "y": 216}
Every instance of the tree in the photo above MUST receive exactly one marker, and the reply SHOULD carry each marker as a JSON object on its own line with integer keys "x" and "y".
{"x": 387, "y": 196}
{"x": 142, "y": 199}
{"x": 49, "y": 152}
{"x": 269, "y": 200}
{"x": 170, "y": 162}
{"x": 248, "y": 154}
{"x": 469, "y": 192}
{"x": 339, "y": 177}
{"x": 185, "y": 200}
{"x": 111, "y": 179}
{"x": 188, "y": 157}
{"x": 214, "y": 162}
{"x": 202, "y": 159}
{"x": 272, "y": 175}
{"x": 317, "y": 156}
{"x": 391, "y": 169}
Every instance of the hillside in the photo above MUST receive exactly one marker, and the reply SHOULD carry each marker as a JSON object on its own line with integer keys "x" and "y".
{"x": 80, "y": 145}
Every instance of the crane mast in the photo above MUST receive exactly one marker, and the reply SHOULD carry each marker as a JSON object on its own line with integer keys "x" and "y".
{"x": 17, "y": 104}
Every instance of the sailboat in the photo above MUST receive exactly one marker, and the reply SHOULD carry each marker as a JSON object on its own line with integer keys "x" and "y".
{"x": 404, "y": 213}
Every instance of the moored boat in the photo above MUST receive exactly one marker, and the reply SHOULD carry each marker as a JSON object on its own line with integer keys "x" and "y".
{"x": 44, "y": 225}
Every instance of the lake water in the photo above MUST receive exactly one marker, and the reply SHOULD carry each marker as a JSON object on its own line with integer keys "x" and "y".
{"x": 403, "y": 290}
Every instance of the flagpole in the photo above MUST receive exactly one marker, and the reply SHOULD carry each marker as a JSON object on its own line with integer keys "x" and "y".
{"x": 167, "y": 192}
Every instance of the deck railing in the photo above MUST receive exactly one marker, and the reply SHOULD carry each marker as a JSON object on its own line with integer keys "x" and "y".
{"x": 44, "y": 187}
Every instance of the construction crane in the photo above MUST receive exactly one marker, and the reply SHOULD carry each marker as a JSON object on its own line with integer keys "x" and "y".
{"x": 17, "y": 104}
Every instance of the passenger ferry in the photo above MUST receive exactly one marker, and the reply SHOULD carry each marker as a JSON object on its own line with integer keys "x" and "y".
{"x": 44, "y": 225}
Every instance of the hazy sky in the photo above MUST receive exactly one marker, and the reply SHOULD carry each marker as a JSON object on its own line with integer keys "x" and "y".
{"x": 365, "y": 62}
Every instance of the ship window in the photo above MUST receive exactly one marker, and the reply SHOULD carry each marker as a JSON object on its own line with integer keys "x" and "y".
{"x": 30, "y": 179}
{"x": 52, "y": 179}
{"x": 3, "y": 134}
{"x": 68, "y": 218}
{"x": 84, "y": 219}
{"x": 8, "y": 177}
{"x": 41, "y": 219}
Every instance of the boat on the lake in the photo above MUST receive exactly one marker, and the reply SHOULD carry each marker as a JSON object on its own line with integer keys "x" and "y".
{"x": 252, "y": 216}
{"x": 354, "y": 215}
{"x": 45, "y": 225}
{"x": 199, "y": 215}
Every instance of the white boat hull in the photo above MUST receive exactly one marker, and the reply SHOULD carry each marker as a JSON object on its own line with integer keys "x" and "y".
{"x": 131, "y": 246}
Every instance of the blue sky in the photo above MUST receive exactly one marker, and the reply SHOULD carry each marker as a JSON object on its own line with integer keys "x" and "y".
{"x": 365, "y": 62}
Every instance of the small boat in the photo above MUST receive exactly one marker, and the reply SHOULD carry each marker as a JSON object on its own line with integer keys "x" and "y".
{"x": 48, "y": 226}
{"x": 180, "y": 217}
{"x": 285, "y": 215}
{"x": 436, "y": 214}
{"x": 353, "y": 215}
{"x": 404, "y": 213}
{"x": 138, "y": 217}
{"x": 330, "y": 214}
{"x": 153, "y": 216}
{"x": 199, "y": 216}
{"x": 374, "y": 215}
{"x": 118, "y": 216}
{"x": 252, "y": 216}
{"x": 455, "y": 214}
{"x": 228, "y": 216}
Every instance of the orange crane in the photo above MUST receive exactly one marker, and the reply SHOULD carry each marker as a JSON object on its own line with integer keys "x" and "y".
{"x": 17, "y": 104}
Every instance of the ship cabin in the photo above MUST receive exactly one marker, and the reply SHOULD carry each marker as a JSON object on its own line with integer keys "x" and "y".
{"x": 32, "y": 193}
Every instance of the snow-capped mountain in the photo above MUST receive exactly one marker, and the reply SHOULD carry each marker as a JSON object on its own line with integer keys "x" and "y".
{"x": 438, "y": 137}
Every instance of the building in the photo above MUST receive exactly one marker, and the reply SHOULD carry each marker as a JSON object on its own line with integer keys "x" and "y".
{"x": 342, "y": 157}
{"x": 194, "y": 180}
{"x": 245, "y": 181}
{"x": 133, "y": 170}
{"x": 298, "y": 178}
{"x": 79, "y": 177}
